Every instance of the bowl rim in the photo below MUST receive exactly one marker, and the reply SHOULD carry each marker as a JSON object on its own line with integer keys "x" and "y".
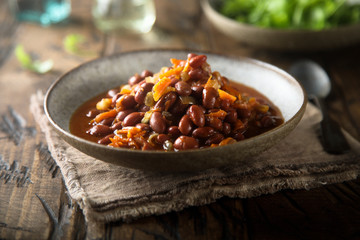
{"x": 207, "y": 6}
{"x": 69, "y": 135}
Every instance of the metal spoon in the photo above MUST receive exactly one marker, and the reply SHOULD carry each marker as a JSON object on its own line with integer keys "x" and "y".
{"x": 317, "y": 85}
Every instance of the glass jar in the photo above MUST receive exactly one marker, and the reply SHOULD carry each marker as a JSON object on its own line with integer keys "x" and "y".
{"x": 124, "y": 16}
{"x": 44, "y": 12}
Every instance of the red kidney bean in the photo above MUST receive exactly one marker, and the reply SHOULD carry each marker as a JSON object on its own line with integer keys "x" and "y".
{"x": 225, "y": 105}
{"x": 166, "y": 101}
{"x": 113, "y": 92}
{"x": 197, "y": 91}
{"x": 183, "y": 88}
{"x": 185, "y": 143}
{"x": 143, "y": 126}
{"x": 135, "y": 79}
{"x": 238, "y": 136}
{"x": 231, "y": 116}
{"x": 127, "y": 101}
{"x": 92, "y": 113}
{"x": 214, "y": 139}
{"x": 196, "y": 115}
{"x": 139, "y": 85}
{"x": 201, "y": 108}
{"x": 122, "y": 114}
{"x": 144, "y": 108}
{"x": 267, "y": 121}
{"x": 197, "y": 74}
{"x": 161, "y": 138}
{"x": 209, "y": 97}
{"x": 185, "y": 125}
{"x": 115, "y": 98}
{"x": 244, "y": 113}
{"x": 215, "y": 123}
{"x": 191, "y": 55}
{"x": 197, "y": 61}
{"x": 142, "y": 91}
{"x": 173, "y": 81}
{"x": 213, "y": 110}
{"x": 132, "y": 119}
{"x": 226, "y": 128}
{"x": 116, "y": 126}
{"x": 262, "y": 101}
{"x": 147, "y": 147}
{"x": 99, "y": 130}
{"x": 106, "y": 140}
{"x": 146, "y": 73}
{"x": 178, "y": 108}
{"x": 157, "y": 122}
{"x": 174, "y": 131}
{"x": 203, "y": 132}
{"x": 107, "y": 121}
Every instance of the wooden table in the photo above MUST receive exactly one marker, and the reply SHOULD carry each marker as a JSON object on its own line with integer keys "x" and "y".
{"x": 33, "y": 200}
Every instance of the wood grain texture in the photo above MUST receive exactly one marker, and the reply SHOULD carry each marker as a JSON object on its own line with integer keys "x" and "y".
{"x": 37, "y": 206}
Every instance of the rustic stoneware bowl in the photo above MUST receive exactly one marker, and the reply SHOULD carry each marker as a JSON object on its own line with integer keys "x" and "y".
{"x": 95, "y": 77}
{"x": 276, "y": 39}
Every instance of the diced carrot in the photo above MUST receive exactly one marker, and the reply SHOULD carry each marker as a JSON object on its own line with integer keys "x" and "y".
{"x": 160, "y": 88}
{"x": 105, "y": 115}
{"x": 132, "y": 132}
{"x": 224, "y": 95}
{"x": 231, "y": 90}
{"x": 176, "y": 62}
{"x": 239, "y": 125}
{"x": 221, "y": 114}
{"x": 187, "y": 67}
{"x": 226, "y": 141}
{"x": 173, "y": 71}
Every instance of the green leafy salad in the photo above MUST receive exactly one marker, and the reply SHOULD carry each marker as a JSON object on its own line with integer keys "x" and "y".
{"x": 292, "y": 14}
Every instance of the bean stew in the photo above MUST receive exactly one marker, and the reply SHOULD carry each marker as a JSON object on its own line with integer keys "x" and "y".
{"x": 185, "y": 106}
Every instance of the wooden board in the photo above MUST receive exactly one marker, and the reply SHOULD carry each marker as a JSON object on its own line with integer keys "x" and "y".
{"x": 33, "y": 200}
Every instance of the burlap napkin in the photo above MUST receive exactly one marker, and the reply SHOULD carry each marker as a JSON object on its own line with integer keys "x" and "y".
{"x": 109, "y": 193}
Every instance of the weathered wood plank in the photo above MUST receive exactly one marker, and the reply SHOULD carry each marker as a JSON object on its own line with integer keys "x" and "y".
{"x": 329, "y": 212}
{"x": 22, "y": 214}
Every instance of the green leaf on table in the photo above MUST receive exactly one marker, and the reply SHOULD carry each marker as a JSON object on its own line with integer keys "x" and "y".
{"x": 72, "y": 43}
{"x": 76, "y": 44}
{"x": 28, "y": 63}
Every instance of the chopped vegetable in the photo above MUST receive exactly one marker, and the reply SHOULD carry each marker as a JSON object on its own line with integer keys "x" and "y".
{"x": 27, "y": 62}
{"x": 104, "y": 115}
{"x": 104, "y": 104}
{"x": 224, "y": 95}
{"x": 292, "y": 14}
{"x": 211, "y": 82}
{"x": 221, "y": 114}
{"x": 160, "y": 87}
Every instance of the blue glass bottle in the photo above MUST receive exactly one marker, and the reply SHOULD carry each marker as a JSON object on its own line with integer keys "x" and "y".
{"x": 44, "y": 12}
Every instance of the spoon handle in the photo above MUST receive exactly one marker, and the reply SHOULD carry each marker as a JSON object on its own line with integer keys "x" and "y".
{"x": 333, "y": 139}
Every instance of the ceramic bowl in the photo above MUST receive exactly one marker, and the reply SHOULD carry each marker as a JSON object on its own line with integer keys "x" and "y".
{"x": 276, "y": 39}
{"x": 95, "y": 77}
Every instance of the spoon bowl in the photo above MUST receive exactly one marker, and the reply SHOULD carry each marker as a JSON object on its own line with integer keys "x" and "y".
{"x": 313, "y": 77}
{"x": 317, "y": 85}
